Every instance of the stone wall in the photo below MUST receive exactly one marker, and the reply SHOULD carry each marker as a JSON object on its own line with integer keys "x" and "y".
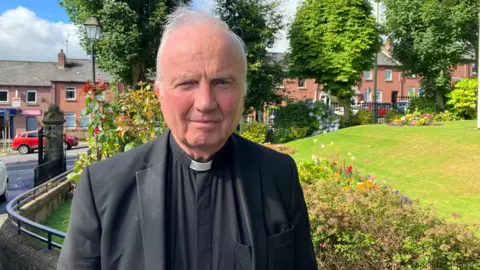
{"x": 22, "y": 252}
{"x": 39, "y": 209}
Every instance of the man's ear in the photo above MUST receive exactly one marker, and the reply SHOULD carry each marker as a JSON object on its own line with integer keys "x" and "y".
{"x": 158, "y": 91}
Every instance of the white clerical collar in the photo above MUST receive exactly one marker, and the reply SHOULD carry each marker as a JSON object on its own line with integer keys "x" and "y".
{"x": 200, "y": 166}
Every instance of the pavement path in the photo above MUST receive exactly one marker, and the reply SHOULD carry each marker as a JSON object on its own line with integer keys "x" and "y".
{"x": 20, "y": 171}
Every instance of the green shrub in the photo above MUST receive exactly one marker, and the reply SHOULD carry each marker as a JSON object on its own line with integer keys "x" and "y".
{"x": 283, "y": 135}
{"x": 380, "y": 229}
{"x": 363, "y": 117}
{"x": 255, "y": 131}
{"x": 295, "y": 115}
{"x": 423, "y": 105}
{"x": 392, "y": 115}
{"x": 463, "y": 98}
{"x": 445, "y": 116}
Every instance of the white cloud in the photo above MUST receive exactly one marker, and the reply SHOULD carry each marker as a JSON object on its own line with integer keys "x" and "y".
{"x": 24, "y": 36}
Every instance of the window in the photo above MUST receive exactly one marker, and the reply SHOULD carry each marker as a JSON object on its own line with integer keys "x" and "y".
{"x": 3, "y": 96}
{"x": 84, "y": 122}
{"x": 420, "y": 91}
{"x": 379, "y": 96}
{"x": 31, "y": 97}
{"x": 367, "y": 75}
{"x": 71, "y": 93}
{"x": 366, "y": 95}
{"x": 301, "y": 83}
{"x": 32, "y": 135}
{"x": 70, "y": 120}
{"x": 411, "y": 91}
{"x": 474, "y": 69}
{"x": 388, "y": 74}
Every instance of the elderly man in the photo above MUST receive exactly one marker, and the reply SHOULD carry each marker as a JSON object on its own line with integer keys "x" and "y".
{"x": 198, "y": 197}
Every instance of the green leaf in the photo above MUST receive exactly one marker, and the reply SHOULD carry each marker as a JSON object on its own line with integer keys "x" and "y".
{"x": 130, "y": 146}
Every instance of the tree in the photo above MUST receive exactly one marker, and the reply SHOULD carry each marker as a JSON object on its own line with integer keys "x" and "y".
{"x": 463, "y": 98}
{"x": 333, "y": 42}
{"x": 429, "y": 39}
{"x": 257, "y": 22}
{"x": 131, "y": 33}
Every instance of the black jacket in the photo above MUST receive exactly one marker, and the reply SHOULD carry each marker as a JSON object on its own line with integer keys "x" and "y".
{"x": 117, "y": 218}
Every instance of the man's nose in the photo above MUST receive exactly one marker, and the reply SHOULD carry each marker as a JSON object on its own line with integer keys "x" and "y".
{"x": 205, "y": 99}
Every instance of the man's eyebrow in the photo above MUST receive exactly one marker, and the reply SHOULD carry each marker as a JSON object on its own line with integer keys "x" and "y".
{"x": 226, "y": 76}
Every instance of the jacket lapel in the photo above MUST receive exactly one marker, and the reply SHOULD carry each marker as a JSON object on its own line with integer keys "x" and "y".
{"x": 151, "y": 187}
{"x": 248, "y": 183}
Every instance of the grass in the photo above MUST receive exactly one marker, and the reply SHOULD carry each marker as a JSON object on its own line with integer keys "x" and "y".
{"x": 58, "y": 220}
{"x": 437, "y": 165}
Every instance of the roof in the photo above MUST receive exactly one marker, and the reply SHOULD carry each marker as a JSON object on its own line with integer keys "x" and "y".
{"x": 44, "y": 73}
{"x": 383, "y": 58}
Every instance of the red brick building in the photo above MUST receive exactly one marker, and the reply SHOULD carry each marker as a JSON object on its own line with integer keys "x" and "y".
{"x": 391, "y": 84}
{"x": 37, "y": 85}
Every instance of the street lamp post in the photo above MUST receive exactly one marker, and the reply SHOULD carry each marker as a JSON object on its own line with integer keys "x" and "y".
{"x": 375, "y": 76}
{"x": 93, "y": 30}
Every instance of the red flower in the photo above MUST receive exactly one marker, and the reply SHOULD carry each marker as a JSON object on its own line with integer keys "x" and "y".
{"x": 96, "y": 130}
{"x": 87, "y": 87}
{"x": 349, "y": 169}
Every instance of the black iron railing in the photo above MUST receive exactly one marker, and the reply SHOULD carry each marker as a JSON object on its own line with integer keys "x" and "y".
{"x": 30, "y": 227}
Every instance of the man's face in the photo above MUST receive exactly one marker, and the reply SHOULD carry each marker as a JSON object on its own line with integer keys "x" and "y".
{"x": 202, "y": 89}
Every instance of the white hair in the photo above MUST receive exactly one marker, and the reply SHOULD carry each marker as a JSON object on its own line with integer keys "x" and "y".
{"x": 183, "y": 16}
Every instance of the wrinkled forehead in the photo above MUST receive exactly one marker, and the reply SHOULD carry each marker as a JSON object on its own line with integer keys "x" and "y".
{"x": 199, "y": 41}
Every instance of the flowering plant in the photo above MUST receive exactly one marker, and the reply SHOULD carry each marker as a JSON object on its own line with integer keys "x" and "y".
{"x": 325, "y": 120}
{"x": 282, "y": 148}
{"x": 414, "y": 119}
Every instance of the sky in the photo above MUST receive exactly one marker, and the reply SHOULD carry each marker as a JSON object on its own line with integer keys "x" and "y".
{"x": 36, "y": 30}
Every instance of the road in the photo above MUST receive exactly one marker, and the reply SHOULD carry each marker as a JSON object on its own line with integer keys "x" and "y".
{"x": 20, "y": 171}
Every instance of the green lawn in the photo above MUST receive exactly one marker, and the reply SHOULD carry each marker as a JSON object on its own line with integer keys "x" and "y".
{"x": 58, "y": 220}
{"x": 437, "y": 165}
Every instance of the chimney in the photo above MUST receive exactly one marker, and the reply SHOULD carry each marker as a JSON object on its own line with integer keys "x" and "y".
{"x": 61, "y": 59}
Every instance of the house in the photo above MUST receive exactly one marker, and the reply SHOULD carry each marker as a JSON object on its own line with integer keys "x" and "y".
{"x": 391, "y": 84}
{"x": 28, "y": 88}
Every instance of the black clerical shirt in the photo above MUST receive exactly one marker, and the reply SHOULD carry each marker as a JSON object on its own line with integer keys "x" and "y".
{"x": 205, "y": 222}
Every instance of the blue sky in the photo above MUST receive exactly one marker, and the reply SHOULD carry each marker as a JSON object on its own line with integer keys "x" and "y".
{"x": 46, "y": 9}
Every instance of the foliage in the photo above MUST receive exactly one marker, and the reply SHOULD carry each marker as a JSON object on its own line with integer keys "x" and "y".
{"x": 325, "y": 118}
{"x": 463, "y": 98}
{"x": 333, "y": 42}
{"x": 295, "y": 114}
{"x": 133, "y": 118}
{"x": 377, "y": 228}
{"x": 257, "y": 23}
{"x": 424, "y": 105}
{"x": 131, "y": 33}
{"x": 283, "y": 135}
{"x": 364, "y": 117}
{"x": 428, "y": 39}
{"x": 255, "y": 131}
{"x": 392, "y": 115}
{"x": 415, "y": 119}
{"x": 281, "y": 148}
{"x": 445, "y": 116}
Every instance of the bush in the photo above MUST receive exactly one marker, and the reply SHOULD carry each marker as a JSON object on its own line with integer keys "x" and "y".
{"x": 423, "y": 105}
{"x": 381, "y": 229}
{"x": 255, "y": 132}
{"x": 393, "y": 115}
{"x": 294, "y": 115}
{"x": 445, "y": 116}
{"x": 363, "y": 117}
{"x": 359, "y": 224}
{"x": 326, "y": 120}
{"x": 283, "y": 135}
{"x": 463, "y": 98}
{"x": 415, "y": 119}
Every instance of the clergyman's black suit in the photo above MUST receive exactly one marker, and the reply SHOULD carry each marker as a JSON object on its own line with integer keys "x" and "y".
{"x": 118, "y": 218}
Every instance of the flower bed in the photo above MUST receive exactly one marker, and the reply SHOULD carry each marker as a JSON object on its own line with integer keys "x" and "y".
{"x": 415, "y": 119}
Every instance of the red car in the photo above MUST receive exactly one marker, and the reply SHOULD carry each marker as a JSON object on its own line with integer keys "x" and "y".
{"x": 27, "y": 142}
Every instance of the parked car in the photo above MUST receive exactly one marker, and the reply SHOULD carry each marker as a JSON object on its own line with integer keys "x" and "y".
{"x": 27, "y": 142}
{"x": 3, "y": 182}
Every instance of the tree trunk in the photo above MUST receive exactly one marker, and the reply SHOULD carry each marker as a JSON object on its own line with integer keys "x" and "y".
{"x": 345, "y": 103}
{"x": 138, "y": 72}
{"x": 439, "y": 100}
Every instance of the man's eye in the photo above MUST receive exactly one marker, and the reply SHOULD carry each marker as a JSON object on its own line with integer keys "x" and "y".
{"x": 221, "y": 82}
{"x": 186, "y": 84}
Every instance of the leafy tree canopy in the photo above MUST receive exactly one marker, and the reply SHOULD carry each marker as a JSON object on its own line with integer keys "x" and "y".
{"x": 131, "y": 33}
